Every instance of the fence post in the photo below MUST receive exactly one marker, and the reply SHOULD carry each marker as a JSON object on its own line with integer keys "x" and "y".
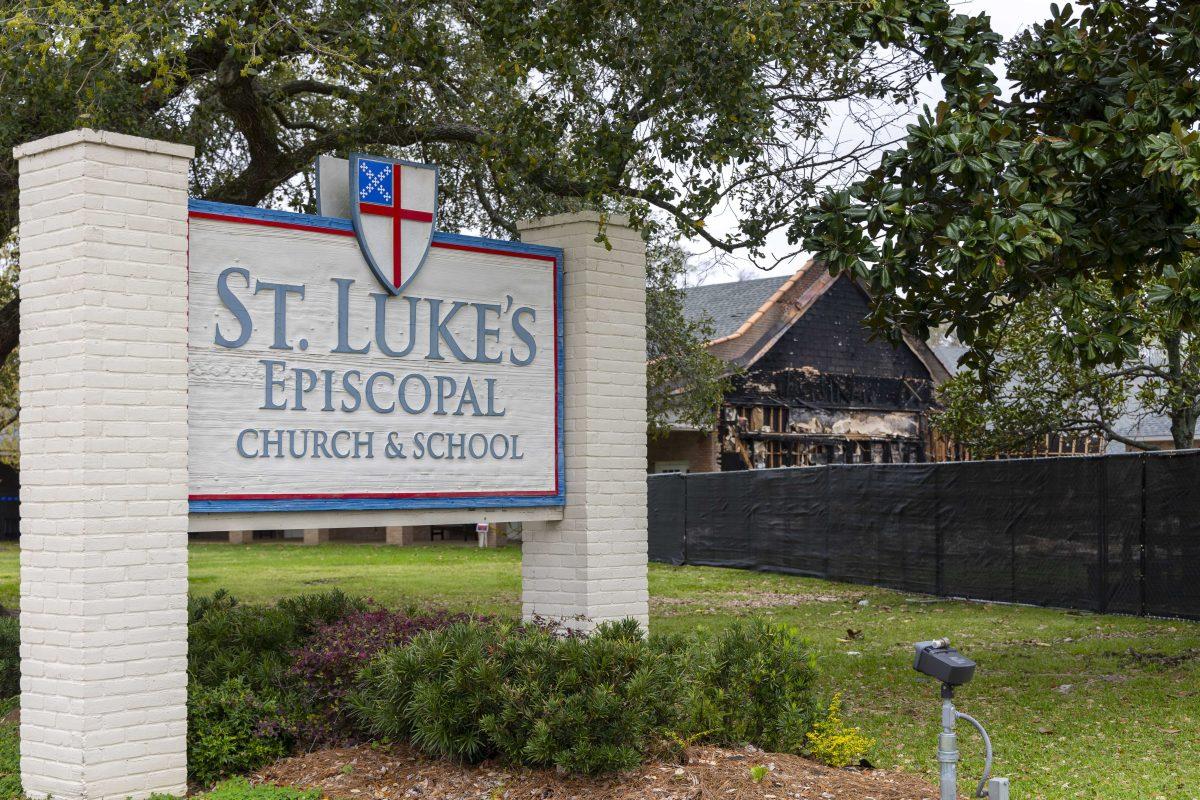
{"x": 939, "y": 545}
{"x": 828, "y": 521}
{"x": 684, "y": 516}
{"x": 1143, "y": 458}
{"x": 1102, "y": 529}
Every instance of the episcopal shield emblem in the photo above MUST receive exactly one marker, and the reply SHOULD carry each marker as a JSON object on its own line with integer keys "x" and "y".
{"x": 393, "y": 205}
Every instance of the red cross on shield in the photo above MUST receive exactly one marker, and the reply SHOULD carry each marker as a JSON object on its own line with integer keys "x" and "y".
{"x": 393, "y": 206}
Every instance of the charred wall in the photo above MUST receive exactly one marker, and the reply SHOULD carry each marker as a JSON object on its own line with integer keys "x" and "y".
{"x": 832, "y": 339}
{"x": 826, "y": 392}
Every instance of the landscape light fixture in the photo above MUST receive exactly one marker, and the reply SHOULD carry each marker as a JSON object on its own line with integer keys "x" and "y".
{"x": 940, "y": 661}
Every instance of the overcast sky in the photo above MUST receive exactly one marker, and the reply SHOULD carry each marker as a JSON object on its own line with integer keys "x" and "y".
{"x": 1008, "y": 17}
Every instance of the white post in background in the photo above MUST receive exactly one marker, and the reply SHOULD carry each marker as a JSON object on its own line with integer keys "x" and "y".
{"x": 103, "y": 242}
{"x": 592, "y": 564}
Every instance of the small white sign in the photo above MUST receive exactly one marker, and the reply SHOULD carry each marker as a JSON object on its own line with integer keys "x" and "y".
{"x": 372, "y": 362}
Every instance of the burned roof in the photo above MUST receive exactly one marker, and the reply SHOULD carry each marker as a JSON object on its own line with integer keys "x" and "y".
{"x": 729, "y": 304}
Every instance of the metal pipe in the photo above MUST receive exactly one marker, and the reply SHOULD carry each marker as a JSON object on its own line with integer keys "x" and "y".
{"x": 981, "y": 790}
{"x": 947, "y": 754}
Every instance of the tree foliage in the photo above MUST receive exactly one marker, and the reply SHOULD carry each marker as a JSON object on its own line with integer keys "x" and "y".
{"x": 676, "y": 107}
{"x": 1034, "y": 388}
{"x": 684, "y": 382}
{"x": 666, "y": 111}
{"x": 1085, "y": 184}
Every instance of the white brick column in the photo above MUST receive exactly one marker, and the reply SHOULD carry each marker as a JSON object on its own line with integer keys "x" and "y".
{"x": 592, "y": 564}
{"x": 103, "y": 241}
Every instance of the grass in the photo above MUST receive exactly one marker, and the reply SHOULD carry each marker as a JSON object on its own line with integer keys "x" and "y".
{"x": 1079, "y": 705}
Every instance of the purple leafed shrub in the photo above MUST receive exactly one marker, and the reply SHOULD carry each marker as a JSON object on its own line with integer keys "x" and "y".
{"x": 328, "y": 662}
{"x": 333, "y": 655}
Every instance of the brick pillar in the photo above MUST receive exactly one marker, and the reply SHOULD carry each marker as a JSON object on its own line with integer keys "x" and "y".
{"x": 241, "y": 537}
{"x": 103, "y": 465}
{"x": 592, "y": 564}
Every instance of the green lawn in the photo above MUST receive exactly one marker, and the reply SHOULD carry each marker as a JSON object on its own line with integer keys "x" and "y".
{"x": 1079, "y": 705}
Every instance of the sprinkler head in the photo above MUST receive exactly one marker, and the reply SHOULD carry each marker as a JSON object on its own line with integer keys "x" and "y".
{"x": 939, "y": 660}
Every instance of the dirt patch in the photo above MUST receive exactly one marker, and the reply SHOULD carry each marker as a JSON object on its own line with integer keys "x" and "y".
{"x": 384, "y": 772}
{"x": 1161, "y": 659}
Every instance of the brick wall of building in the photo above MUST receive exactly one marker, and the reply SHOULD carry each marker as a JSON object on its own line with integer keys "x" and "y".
{"x": 697, "y": 449}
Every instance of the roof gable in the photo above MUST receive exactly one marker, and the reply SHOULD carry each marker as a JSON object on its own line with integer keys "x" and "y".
{"x": 750, "y": 316}
{"x": 729, "y": 304}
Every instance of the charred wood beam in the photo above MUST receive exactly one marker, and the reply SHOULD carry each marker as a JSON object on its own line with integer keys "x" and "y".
{"x": 825, "y": 438}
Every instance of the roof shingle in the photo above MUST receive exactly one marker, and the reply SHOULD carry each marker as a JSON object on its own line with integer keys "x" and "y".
{"x": 729, "y": 304}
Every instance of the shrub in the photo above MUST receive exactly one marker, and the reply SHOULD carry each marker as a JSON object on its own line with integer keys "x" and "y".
{"x": 584, "y": 705}
{"x": 474, "y": 691}
{"x": 10, "y": 754}
{"x": 229, "y": 640}
{"x": 243, "y": 707}
{"x": 434, "y": 691}
{"x": 751, "y": 683}
{"x": 327, "y": 663}
{"x": 833, "y": 742}
{"x": 10, "y": 657}
{"x": 225, "y": 731}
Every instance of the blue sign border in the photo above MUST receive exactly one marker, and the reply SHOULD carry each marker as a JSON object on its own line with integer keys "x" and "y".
{"x": 208, "y": 209}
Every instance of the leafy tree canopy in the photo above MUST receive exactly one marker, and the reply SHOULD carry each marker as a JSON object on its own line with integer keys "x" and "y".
{"x": 1083, "y": 187}
{"x": 667, "y": 111}
{"x": 1035, "y": 388}
{"x": 668, "y": 107}
{"x": 685, "y": 383}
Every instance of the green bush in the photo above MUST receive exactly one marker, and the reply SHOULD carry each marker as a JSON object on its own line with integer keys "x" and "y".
{"x": 584, "y": 705}
{"x": 475, "y": 691}
{"x": 751, "y": 683}
{"x": 10, "y": 657}
{"x": 243, "y": 705}
{"x": 10, "y": 754}
{"x": 226, "y": 733}
{"x": 229, "y": 640}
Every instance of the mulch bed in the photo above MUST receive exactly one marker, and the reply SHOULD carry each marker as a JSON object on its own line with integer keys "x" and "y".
{"x": 397, "y": 772}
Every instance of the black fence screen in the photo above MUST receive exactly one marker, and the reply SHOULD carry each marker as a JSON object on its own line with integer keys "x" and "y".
{"x": 1117, "y": 533}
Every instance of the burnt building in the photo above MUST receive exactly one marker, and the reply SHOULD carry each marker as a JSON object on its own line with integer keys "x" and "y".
{"x": 813, "y": 386}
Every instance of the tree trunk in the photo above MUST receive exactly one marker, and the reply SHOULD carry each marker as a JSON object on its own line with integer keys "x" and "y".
{"x": 1183, "y": 427}
{"x": 1183, "y": 418}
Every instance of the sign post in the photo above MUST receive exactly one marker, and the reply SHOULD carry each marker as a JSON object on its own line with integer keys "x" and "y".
{"x": 591, "y": 566}
{"x": 188, "y": 365}
{"x": 104, "y": 399}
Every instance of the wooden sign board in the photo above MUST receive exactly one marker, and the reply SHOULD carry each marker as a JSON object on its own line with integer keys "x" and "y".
{"x": 320, "y": 381}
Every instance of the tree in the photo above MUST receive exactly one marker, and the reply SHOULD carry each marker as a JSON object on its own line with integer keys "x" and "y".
{"x": 10, "y": 396}
{"x": 667, "y": 111}
{"x": 1034, "y": 388}
{"x": 1083, "y": 186}
{"x": 684, "y": 382}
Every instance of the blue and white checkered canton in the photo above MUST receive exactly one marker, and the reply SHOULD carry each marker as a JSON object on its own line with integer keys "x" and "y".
{"x": 375, "y": 182}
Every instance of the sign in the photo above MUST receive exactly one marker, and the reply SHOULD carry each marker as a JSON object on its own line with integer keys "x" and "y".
{"x": 394, "y": 205}
{"x": 366, "y": 360}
